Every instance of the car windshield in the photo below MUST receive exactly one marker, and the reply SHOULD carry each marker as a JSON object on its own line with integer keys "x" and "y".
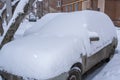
{"x": 63, "y": 25}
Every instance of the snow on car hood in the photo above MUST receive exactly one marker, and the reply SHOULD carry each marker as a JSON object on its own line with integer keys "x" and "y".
{"x": 40, "y": 58}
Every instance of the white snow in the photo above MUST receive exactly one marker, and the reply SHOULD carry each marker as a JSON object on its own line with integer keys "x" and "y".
{"x": 0, "y": 78}
{"x": 93, "y": 34}
{"x": 112, "y": 69}
{"x": 42, "y": 56}
{"x": 39, "y": 0}
{"x": 42, "y": 49}
{"x": 25, "y": 25}
{"x": 40, "y": 23}
{"x": 95, "y": 29}
{"x": 14, "y": 2}
{"x": 100, "y": 24}
{"x": 55, "y": 45}
{"x": 26, "y": 28}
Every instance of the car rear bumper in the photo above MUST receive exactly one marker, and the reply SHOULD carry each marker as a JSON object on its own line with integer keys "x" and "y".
{"x": 8, "y": 76}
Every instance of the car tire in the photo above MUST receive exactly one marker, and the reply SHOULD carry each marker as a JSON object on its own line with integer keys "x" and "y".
{"x": 75, "y": 74}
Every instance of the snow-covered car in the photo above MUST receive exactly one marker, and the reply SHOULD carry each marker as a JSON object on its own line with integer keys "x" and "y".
{"x": 32, "y": 17}
{"x": 63, "y": 49}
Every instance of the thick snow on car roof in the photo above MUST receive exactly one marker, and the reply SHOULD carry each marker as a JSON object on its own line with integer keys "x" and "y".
{"x": 95, "y": 22}
{"x": 44, "y": 20}
{"x": 54, "y": 47}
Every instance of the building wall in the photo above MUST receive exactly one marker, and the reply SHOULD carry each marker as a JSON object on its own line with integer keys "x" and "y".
{"x": 71, "y": 5}
{"x": 101, "y": 5}
{"x": 54, "y": 7}
{"x": 113, "y": 11}
{"x": 117, "y": 17}
{"x": 110, "y": 8}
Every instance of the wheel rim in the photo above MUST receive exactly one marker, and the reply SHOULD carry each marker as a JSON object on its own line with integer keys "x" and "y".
{"x": 73, "y": 77}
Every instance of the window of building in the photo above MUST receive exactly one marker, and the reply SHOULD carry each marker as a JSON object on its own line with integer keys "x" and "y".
{"x": 66, "y": 8}
{"x": 70, "y": 8}
{"x": 76, "y": 7}
{"x": 58, "y": 3}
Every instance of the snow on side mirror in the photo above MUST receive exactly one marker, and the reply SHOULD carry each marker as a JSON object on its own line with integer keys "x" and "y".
{"x": 93, "y": 36}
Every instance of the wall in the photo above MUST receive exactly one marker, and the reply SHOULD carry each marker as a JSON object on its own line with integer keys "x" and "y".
{"x": 112, "y": 8}
{"x": 71, "y": 5}
{"x": 117, "y": 14}
{"x": 101, "y": 5}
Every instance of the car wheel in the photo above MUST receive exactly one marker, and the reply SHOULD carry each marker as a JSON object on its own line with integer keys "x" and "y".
{"x": 75, "y": 74}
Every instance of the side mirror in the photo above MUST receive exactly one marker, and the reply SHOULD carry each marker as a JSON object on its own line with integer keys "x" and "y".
{"x": 93, "y": 36}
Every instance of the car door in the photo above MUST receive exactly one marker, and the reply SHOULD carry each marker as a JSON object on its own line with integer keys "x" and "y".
{"x": 96, "y": 54}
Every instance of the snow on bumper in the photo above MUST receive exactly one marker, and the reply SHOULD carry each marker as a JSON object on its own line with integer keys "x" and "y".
{"x": 8, "y": 76}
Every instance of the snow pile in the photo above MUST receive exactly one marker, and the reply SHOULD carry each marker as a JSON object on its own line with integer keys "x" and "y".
{"x": 99, "y": 29}
{"x": 112, "y": 69}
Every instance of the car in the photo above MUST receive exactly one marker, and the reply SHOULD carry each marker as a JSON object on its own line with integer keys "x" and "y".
{"x": 62, "y": 49}
{"x": 32, "y": 17}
